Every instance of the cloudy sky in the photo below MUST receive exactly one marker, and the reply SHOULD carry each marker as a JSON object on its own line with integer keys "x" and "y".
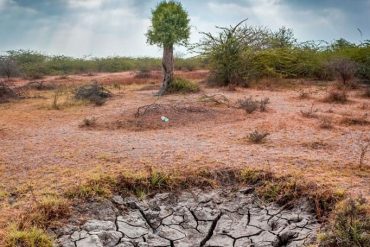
{"x": 117, "y": 27}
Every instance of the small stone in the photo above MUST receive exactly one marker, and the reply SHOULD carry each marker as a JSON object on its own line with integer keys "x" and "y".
{"x": 65, "y": 241}
{"x": 89, "y": 241}
{"x": 109, "y": 238}
{"x": 155, "y": 240}
{"x": 133, "y": 217}
{"x": 131, "y": 202}
{"x": 99, "y": 225}
{"x": 79, "y": 235}
{"x": 243, "y": 242}
{"x": 247, "y": 190}
{"x": 171, "y": 233}
{"x": 118, "y": 200}
{"x": 132, "y": 231}
{"x": 220, "y": 240}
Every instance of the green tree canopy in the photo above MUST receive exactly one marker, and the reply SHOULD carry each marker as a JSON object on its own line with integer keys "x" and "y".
{"x": 170, "y": 25}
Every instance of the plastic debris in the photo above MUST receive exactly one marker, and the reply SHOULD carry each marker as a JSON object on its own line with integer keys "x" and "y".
{"x": 165, "y": 119}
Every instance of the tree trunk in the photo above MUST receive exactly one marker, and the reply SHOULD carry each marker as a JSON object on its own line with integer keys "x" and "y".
{"x": 167, "y": 64}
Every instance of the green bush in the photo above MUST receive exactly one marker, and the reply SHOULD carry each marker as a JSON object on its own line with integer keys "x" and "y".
{"x": 241, "y": 53}
{"x": 180, "y": 85}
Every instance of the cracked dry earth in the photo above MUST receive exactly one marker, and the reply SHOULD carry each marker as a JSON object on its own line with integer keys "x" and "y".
{"x": 196, "y": 218}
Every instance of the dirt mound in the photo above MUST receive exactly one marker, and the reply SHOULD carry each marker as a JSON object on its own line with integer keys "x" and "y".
{"x": 162, "y": 116}
{"x": 158, "y": 116}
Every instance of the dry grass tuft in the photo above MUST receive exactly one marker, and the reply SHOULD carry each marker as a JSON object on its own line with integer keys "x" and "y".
{"x": 310, "y": 113}
{"x": 249, "y": 105}
{"x": 356, "y": 120}
{"x": 46, "y": 212}
{"x": 88, "y": 122}
{"x": 349, "y": 226}
{"x": 32, "y": 237}
{"x": 257, "y": 137}
{"x": 336, "y": 96}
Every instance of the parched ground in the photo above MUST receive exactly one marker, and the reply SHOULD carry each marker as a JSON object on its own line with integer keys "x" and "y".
{"x": 46, "y": 151}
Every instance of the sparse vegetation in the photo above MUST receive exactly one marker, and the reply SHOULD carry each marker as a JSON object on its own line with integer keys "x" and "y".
{"x": 38, "y": 146}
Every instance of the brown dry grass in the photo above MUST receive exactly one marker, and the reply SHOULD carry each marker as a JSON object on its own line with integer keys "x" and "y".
{"x": 45, "y": 152}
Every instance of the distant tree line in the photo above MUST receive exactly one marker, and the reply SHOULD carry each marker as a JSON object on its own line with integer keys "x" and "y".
{"x": 235, "y": 55}
{"x": 34, "y": 65}
{"x": 241, "y": 53}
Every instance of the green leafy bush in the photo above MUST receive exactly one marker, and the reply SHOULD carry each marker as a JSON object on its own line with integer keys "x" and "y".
{"x": 180, "y": 85}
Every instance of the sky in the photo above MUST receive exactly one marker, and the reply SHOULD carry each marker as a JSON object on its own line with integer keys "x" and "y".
{"x": 100, "y": 28}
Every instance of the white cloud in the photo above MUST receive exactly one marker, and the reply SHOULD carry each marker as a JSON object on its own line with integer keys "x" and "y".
{"x": 5, "y": 3}
{"x": 89, "y": 4}
{"x": 307, "y": 23}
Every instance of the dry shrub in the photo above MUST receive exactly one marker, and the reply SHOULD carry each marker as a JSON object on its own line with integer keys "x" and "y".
{"x": 364, "y": 145}
{"x": 311, "y": 113}
{"x": 257, "y": 137}
{"x": 88, "y": 122}
{"x": 94, "y": 92}
{"x": 216, "y": 99}
{"x": 7, "y": 93}
{"x": 344, "y": 69}
{"x": 304, "y": 95}
{"x": 336, "y": 96}
{"x": 263, "y": 104}
{"x": 39, "y": 85}
{"x": 325, "y": 123}
{"x": 249, "y": 105}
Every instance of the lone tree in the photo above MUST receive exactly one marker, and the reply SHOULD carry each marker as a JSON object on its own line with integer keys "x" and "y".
{"x": 170, "y": 26}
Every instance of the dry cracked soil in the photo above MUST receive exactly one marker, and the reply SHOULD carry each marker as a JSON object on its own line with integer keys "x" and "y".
{"x": 193, "y": 218}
